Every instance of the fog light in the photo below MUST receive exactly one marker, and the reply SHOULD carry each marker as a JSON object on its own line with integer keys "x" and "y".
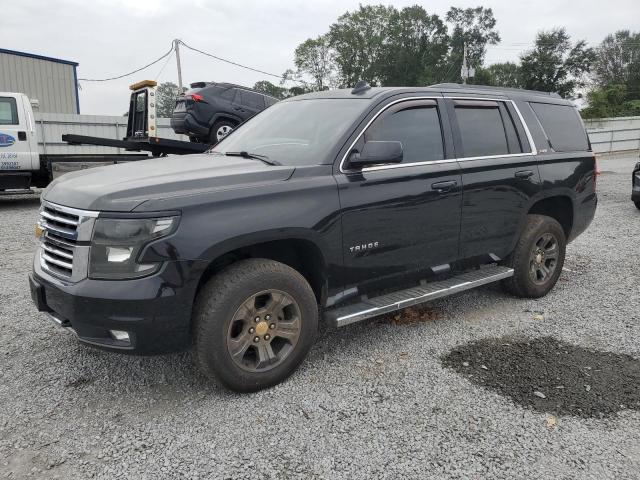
{"x": 119, "y": 254}
{"x": 120, "y": 335}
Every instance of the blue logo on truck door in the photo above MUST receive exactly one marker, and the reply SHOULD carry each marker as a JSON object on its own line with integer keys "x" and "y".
{"x": 6, "y": 140}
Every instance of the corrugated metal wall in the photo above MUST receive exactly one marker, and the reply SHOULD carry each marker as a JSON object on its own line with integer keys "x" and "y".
{"x": 51, "y": 83}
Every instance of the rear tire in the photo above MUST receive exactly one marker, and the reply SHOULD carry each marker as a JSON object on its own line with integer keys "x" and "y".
{"x": 220, "y": 130}
{"x": 537, "y": 259}
{"x": 255, "y": 322}
{"x": 637, "y": 204}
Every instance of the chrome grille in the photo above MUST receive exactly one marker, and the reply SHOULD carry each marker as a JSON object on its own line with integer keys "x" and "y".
{"x": 65, "y": 230}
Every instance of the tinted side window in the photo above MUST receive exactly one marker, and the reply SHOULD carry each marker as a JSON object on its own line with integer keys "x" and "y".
{"x": 8, "y": 111}
{"x": 417, "y": 128}
{"x": 251, "y": 99}
{"x": 482, "y": 131}
{"x": 228, "y": 94}
{"x": 270, "y": 101}
{"x": 562, "y": 125}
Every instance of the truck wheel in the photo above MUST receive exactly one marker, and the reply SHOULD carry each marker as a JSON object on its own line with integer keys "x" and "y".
{"x": 220, "y": 130}
{"x": 637, "y": 204}
{"x": 255, "y": 322}
{"x": 537, "y": 259}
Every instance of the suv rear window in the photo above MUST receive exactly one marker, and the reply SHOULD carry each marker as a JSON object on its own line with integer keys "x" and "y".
{"x": 8, "y": 111}
{"x": 562, "y": 126}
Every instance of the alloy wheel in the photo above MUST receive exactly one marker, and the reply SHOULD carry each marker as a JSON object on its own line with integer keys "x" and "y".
{"x": 264, "y": 331}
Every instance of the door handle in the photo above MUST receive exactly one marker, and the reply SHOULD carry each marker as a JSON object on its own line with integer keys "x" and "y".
{"x": 22, "y": 136}
{"x": 524, "y": 174}
{"x": 443, "y": 187}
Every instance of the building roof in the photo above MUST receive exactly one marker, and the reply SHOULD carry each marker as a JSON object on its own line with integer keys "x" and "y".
{"x": 38, "y": 57}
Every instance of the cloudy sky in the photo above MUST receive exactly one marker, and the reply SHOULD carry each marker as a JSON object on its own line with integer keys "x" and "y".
{"x": 108, "y": 38}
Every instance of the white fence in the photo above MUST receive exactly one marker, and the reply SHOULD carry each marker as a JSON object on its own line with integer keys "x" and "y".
{"x": 51, "y": 126}
{"x": 610, "y": 135}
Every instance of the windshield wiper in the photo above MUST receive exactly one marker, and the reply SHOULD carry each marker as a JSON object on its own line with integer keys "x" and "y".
{"x": 256, "y": 156}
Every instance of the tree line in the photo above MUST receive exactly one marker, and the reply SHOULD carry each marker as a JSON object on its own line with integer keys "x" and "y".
{"x": 387, "y": 46}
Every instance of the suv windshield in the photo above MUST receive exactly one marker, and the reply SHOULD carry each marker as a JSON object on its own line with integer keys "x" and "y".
{"x": 300, "y": 132}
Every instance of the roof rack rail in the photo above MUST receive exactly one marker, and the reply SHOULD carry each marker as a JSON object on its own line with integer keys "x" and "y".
{"x": 498, "y": 89}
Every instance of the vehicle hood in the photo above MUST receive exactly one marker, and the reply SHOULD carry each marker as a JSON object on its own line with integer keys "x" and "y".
{"x": 123, "y": 187}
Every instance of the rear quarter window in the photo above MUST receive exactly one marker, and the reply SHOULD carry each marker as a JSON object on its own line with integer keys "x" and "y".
{"x": 562, "y": 126}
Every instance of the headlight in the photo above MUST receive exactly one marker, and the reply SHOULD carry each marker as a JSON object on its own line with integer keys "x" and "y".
{"x": 117, "y": 243}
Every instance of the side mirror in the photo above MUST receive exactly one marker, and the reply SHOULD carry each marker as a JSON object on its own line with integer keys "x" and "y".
{"x": 376, "y": 152}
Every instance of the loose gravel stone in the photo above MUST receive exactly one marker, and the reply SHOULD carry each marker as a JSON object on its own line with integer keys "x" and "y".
{"x": 114, "y": 416}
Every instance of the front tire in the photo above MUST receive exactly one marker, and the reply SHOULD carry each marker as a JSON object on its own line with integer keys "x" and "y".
{"x": 537, "y": 259}
{"x": 255, "y": 322}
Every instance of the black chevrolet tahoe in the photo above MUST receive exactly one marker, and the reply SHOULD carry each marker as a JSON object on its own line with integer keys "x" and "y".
{"x": 335, "y": 206}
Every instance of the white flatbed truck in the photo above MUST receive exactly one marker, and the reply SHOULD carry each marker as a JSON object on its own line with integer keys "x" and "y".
{"x": 37, "y": 147}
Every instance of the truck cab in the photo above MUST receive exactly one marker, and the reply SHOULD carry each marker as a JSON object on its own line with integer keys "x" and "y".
{"x": 18, "y": 142}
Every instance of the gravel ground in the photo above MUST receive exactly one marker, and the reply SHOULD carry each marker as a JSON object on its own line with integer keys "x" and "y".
{"x": 372, "y": 401}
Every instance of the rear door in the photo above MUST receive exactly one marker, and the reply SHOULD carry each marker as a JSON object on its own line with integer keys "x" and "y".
{"x": 17, "y": 134}
{"x": 250, "y": 103}
{"x": 401, "y": 222}
{"x": 499, "y": 173}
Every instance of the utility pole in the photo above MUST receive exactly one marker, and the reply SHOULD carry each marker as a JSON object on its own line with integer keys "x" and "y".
{"x": 465, "y": 69}
{"x": 466, "y": 72}
{"x": 176, "y": 46}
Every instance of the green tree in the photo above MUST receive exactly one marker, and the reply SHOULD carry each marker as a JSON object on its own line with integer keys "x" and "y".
{"x": 359, "y": 39}
{"x": 475, "y": 28}
{"x": 415, "y": 50}
{"x": 505, "y": 74}
{"x": 555, "y": 64}
{"x": 166, "y": 94}
{"x": 269, "y": 88}
{"x": 315, "y": 58}
{"x": 618, "y": 59}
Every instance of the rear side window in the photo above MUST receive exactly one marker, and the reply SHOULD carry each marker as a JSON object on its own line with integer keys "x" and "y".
{"x": 228, "y": 94}
{"x": 562, "y": 126}
{"x": 416, "y": 127}
{"x": 251, "y": 99}
{"x": 270, "y": 101}
{"x": 8, "y": 111}
{"x": 481, "y": 129}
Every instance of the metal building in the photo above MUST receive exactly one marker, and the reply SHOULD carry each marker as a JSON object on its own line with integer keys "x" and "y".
{"x": 50, "y": 81}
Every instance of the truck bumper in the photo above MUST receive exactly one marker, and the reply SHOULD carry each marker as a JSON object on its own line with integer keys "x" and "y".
{"x": 143, "y": 316}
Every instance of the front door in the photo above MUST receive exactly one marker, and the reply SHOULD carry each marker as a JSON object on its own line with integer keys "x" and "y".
{"x": 400, "y": 221}
{"x": 16, "y": 136}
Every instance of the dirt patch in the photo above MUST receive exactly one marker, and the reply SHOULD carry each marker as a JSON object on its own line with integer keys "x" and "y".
{"x": 551, "y": 376}
{"x": 412, "y": 315}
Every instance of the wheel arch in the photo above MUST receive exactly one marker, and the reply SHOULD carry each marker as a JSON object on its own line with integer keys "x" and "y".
{"x": 224, "y": 116}
{"x": 557, "y": 206}
{"x": 297, "y": 249}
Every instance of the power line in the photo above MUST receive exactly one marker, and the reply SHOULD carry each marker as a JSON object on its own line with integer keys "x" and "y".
{"x": 239, "y": 64}
{"x": 165, "y": 65}
{"x": 130, "y": 73}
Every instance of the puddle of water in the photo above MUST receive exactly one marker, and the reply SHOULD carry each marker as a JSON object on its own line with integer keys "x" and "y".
{"x": 551, "y": 376}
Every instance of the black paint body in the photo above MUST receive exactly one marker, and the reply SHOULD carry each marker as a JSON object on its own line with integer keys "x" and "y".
{"x": 406, "y": 224}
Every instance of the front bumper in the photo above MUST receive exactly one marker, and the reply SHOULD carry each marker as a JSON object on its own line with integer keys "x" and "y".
{"x": 155, "y": 311}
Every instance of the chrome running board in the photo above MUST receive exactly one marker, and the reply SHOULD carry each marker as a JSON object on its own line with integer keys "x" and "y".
{"x": 372, "y": 307}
